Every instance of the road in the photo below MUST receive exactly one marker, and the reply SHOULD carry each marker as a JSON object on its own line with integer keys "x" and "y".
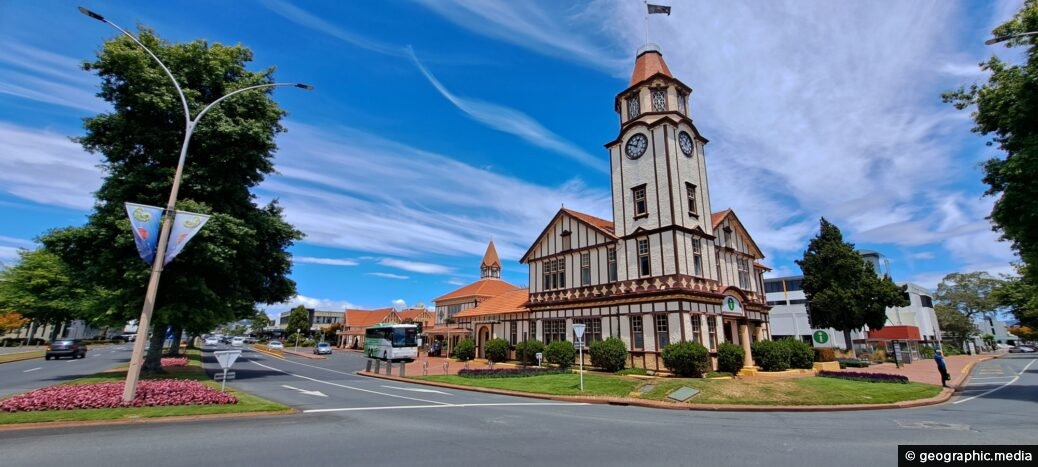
{"x": 362, "y": 421}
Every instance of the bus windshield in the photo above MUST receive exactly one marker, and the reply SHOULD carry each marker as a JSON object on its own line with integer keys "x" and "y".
{"x": 405, "y": 337}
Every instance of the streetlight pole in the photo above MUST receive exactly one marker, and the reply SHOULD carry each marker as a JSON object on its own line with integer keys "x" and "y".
{"x": 137, "y": 360}
{"x": 995, "y": 40}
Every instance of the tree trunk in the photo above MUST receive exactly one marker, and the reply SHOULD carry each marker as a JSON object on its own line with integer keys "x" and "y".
{"x": 153, "y": 361}
{"x": 174, "y": 347}
{"x": 849, "y": 343}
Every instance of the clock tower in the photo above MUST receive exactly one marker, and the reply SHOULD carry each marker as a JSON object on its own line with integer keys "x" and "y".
{"x": 661, "y": 201}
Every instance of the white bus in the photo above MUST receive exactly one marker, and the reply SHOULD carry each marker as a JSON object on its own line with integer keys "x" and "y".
{"x": 391, "y": 341}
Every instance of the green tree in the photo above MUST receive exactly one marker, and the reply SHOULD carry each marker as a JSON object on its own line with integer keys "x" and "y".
{"x": 970, "y": 294}
{"x": 40, "y": 288}
{"x": 1020, "y": 297}
{"x": 260, "y": 322}
{"x": 239, "y": 258}
{"x": 954, "y": 325}
{"x": 298, "y": 319}
{"x": 842, "y": 289}
{"x": 1005, "y": 109}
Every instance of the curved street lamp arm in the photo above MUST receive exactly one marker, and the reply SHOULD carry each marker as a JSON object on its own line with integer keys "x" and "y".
{"x": 180, "y": 92}
{"x": 995, "y": 40}
{"x": 258, "y": 86}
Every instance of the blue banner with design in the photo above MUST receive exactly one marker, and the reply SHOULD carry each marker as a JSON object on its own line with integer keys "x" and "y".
{"x": 185, "y": 226}
{"x": 144, "y": 222}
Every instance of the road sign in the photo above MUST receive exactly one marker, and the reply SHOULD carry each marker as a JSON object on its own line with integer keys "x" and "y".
{"x": 224, "y": 376}
{"x": 821, "y": 337}
{"x": 226, "y": 357}
{"x": 578, "y": 329}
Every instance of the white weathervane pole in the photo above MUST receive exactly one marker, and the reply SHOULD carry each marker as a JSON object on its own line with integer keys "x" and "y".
{"x": 137, "y": 358}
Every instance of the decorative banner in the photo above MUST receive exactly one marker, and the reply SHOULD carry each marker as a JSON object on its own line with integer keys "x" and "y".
{"x": 185, "y": 226}
{"x": 144, "y": 221}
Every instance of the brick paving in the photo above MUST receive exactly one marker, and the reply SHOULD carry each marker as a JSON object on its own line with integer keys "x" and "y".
{"x": 925, "y": 371}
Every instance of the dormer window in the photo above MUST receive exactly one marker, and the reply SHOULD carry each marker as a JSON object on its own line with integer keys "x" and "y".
{"x": 634, "y": 108}
{"x": 659, "y": 100}
{"x": 682, "y": 99}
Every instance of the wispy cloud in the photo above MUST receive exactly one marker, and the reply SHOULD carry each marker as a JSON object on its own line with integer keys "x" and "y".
{"x": 388, "y": 275}
{"x": 306, "y": 19}
{"x": 29, "y": 160}
{"x": 512, "y": 121}
{"x": 42, "y": 76}
{"x": 326, "y": 261}
{"x": 413, "y": 266}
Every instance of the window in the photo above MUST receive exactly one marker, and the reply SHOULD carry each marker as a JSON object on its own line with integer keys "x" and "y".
{"x": 744, "y": 273}
{"x": 681, "y": 102}
{"x": 585, "y": 268}
{"x": 566, "y": 242}
{"x": 637, "y": 334}
{"x": 659, "y": 100}
{"x": 773, "y": 286}
{"x": 794, "y": 285}
{"x": 555, "y": 274}
{"x": 711, "y": 325}
{"x": 634, "y": 108}
{"x": 690, "y": 194}
{"x": 697, "y": 335}
{"x": 697, "y": 256}
{"x": 641, "y": 207}
{"x": 728, "y": 237}
{"x": 643, "y": 257}
{"x": 662, "y": 332}
{"x": 512, "y": 332}
{"x": 554, "y": 330}
{"x": 927, "y": 302}
{"x": 533, "y": 330}
{"x": 592, "y": 329}
{"x": 611, "y": 261}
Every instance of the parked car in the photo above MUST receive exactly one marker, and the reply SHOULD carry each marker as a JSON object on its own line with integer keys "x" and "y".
{"x": 275, "y": 345}
{"x": 211, "y": 340}
{"x": 125, "y": 337}
{"x": 1022, "y": 349}
{"x": 58, "y": 348}
{"x": 323, "y": 348}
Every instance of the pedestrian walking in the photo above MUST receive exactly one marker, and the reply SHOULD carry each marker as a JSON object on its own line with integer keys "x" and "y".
{"x": 942, "y": 367}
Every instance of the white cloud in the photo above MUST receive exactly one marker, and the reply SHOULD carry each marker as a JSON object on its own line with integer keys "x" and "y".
{"x": 326, "y": 261}
{"x": 29, "y": 159}
{"x": 42, "y": 76}
{"x": 388, "y": 275}
{"x": 306, "y": 19}
{"x": 321, "y": 304}
{"x": 424, "y": 268}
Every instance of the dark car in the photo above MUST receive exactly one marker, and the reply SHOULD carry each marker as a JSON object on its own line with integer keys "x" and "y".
{"x": 58, "y": 348}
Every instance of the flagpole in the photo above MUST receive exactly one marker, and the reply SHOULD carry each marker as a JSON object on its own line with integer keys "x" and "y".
{"x": 646, "y": 21}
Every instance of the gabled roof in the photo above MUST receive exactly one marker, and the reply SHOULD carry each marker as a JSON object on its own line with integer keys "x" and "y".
{"x": 508, "y": 302}
{"x": 490, "y": 257}
{"x": 412, "y": 313}
{"x": 718, "y": 217}
{"x": 603, "y": 226}
{"x": 480, "y": 288}
{"x": 366, "y": 318}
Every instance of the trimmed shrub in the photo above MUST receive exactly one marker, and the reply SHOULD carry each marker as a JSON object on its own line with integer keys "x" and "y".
{"x": 729, "y": 357}
{"x": 926, "y": 352}
{"x": 532, "y": 347}
{"x": 771, "y": 355}
{"x": 465, "y": 350}
{"x": 688, "y": 359}
{"x": 826, "y": 354}
{"x": 800, "y": 353}
{"x": 561, "y": 353}
{"x": 609, "y": 355}
{"x": 496, "y": 350}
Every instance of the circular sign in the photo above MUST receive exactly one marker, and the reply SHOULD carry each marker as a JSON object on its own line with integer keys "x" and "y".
{"x": 821, "y": 337}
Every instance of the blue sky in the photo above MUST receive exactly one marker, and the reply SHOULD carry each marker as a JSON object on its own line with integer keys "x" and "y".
{"x": 439, "y": 125}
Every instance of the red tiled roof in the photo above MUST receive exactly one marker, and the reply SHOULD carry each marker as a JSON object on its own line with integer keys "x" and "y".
{"x": 598, "y": 223}
{"x": 760, "y": 266}
{"x": 648, "y": 64}
{"x": 717, "y": 217}
{"x": 508, "y": 302}
{"x": 364, "y": 318}
{"x": 490, "y": 257}
{"x": 480, "y": 288}
{"x": 412, "y": 313}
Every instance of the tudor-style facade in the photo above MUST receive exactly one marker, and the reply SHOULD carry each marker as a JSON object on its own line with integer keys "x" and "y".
{"x": 666, "y": 269}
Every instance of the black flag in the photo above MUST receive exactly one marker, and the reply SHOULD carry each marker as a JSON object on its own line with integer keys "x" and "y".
{"x": 654, "y": 9}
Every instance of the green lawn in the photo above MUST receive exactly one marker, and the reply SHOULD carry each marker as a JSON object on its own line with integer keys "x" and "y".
{"x": 246, "y": 403}
{"x": 791, "y": 391}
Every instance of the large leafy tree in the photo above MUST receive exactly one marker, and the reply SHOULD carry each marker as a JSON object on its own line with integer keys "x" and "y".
{"x": 954, "y": 325}
{"x": 843, "y": 290}
{"x": 239, "y": 258}
{"x": 971, "y": 294}
{"x": 1020, "y": 297}
{"x": 40, "y": 288}
{"x": 298, "y": 319}
{"x": 1006, "y": 109}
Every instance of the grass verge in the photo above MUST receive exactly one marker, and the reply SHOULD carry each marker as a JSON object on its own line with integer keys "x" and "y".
{"x": 246, "y": 403}
{"x": 14, "y": 357}
{"x": 804, "y": 391}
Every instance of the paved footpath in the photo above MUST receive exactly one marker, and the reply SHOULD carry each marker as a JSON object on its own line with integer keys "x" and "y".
{"x": 925, "y": 371}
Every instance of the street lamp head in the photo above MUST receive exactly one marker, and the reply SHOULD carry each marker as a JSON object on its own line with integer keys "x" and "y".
{"x": 304, "y": 86}
{"x": 995, "y": 40}
{"x": 92, "y": 14}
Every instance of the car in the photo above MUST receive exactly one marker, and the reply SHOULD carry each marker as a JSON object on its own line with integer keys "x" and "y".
{"x": 323, "y": 348}
{"x": 212, "y": 340}
{"x": 237, "y": 341}
{"x": 125, "y": 337}
{"x": 275, "y": 345}
{"x": 1022, "y": 349}
{"x": 58, "y": 348}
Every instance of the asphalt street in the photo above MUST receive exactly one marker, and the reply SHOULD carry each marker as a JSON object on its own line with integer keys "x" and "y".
{"x": 349, "y": 420}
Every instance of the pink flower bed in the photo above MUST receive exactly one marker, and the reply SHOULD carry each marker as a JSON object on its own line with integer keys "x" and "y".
{"x": 182, "y": 361}
{"x": 160, "y": 392}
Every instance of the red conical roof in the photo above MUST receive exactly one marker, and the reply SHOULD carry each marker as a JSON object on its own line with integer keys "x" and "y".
{"x": 649, "y": 62}
{"x": 490, "y": 258}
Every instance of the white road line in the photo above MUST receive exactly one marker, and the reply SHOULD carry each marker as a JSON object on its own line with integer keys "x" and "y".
{"x": 417, "y": 390}
{"x": 441, "y": 406}
{"x": 348, "y": 387}
{"x": 1015, "y": 378}
{"x": 32, "y": 369}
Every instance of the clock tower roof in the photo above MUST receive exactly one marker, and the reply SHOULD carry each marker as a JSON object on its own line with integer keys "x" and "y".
{"x": 649, "y": 63}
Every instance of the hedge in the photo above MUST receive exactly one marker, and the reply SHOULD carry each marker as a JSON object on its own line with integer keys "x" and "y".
{"x": 609, "y": 355}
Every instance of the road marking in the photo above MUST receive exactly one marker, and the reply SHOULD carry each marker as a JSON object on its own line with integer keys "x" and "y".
{"x": 348, "y": 387}
{"x": 32, "y": 369}
{"x": 417, "y": 390}
{"x": 309, "y": 393}
{"x": 442, "y": 406}
{"x": 1015, "y": 378}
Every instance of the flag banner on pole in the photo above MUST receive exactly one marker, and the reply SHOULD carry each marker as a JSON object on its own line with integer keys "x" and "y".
{"x": 185, "y": 226}
{"x": 144, "y": 222}
{"x": 658, "y": 9}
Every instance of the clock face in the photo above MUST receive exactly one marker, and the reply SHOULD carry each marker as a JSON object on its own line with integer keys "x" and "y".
{"x": 636, "y": 146}
{"x": 685, "y": 141}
